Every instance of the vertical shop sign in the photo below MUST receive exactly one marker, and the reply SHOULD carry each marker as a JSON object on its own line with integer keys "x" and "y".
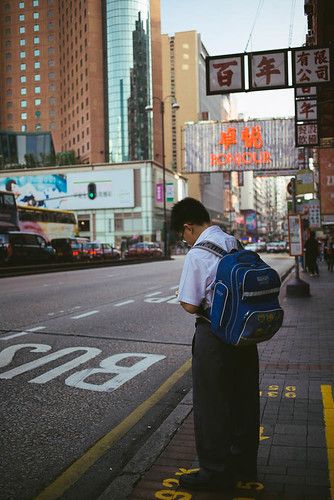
{"x": 159, "y": 192}
{"x": 326, "y": 161}
{"x": 306, "y": 110}
{"x": 307, "y": 134}
{"x": 170, "y": 192}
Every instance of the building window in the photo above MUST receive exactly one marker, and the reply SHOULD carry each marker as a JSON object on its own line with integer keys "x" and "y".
{"x": 23, "y": 116}
{"x": 9, "y": 82}
{"x": 22, "y": 55}
{"x": 23, "y": 91}
{"x": 37, "y": 90}
{"x": 21, "y": 5}
{"x": 23, "y": 67}
{"x": 52, "y": 125}
{"x": 21, "y": 17}
{"x": 37, "y": 52}
{"x": 35, "y": 3}
{"x": 9, "y": 117}
{"x": 9, "y": 104}
{"x": 52, "y": 87}
{"x": 36, "y": 27}
{"x": 35, "y": 15}
{"x": 7, "y": 6}
{"x": 52, "y": 113}
{"x": 8, "y": 43}
{"x": 23, "y": 79}
{"x": 22, "y": 30}
{"x": 37, "y": 65}
{"x": 38, "y": 102}
{"x": 37, "y": 78}
{"x": 9, "y": 68}
{"x": 23, "y": 128}
{"x": 8, "y": 19}
{"x": 36, "y": 39}
{"x": 23, "y": 104}
{"x": 38, "y": 126}
{"x": 8, "y": 55}
{"x": 50, "y": 13}
{"x": 22, "y": 42}
{"x": 52, "y": 101}
{"x": 51, "y": 38}
{"x": 7, "y": 31}
{"x": 52, "y": 76}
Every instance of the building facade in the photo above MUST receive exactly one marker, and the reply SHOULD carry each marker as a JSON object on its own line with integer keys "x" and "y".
{"x": 83, "y": 70}
{"x": 184, "y": 81}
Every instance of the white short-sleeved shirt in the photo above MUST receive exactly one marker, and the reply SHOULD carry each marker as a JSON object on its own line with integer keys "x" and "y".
{"x": 200, "y": 267}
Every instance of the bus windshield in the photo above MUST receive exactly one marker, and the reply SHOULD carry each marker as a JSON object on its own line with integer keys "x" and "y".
{"x": 8, "y": 212}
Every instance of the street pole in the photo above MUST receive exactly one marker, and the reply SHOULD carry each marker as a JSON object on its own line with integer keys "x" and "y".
{"x": 294, "y": 210}
{"x": 164, "y": 231}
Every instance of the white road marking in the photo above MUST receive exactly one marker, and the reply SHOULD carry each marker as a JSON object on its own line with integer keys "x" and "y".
{"x": 152, "y": 294}
{"x": 51, "y": 314}
{"x": 77, "y": 307}
{"x": 21, "y": 334}
{"x": 123, "y": 303}
{"x": 84, "y": 315}
{"x": 174, "y": 287}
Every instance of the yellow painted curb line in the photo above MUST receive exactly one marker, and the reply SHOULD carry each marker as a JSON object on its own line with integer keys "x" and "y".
{"x": 74, "y": 472}
{"x": 328, "y": 404}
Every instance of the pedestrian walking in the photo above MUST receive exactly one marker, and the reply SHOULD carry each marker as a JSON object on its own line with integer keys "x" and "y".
{"x": 311, "y": 254}
{"x": 329, "y": 252}
{"x": 225, "y": 377}
{"x": 124, "y": 248}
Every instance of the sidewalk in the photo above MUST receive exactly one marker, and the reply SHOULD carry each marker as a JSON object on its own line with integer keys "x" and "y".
{"x": 296, "y": 454}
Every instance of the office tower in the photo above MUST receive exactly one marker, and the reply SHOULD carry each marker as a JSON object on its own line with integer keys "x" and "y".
{"x": 84, "y": 70}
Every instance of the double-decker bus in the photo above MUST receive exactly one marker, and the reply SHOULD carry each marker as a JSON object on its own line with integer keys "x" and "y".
{"x": 8, "y": 212}
{"x": 50, "y": 223}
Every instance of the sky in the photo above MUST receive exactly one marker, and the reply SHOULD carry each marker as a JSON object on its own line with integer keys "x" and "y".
{"x": 225, "y": 27}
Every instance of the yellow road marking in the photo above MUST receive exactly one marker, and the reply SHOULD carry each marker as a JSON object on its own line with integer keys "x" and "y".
{"x": 74, "y": 472}
{"x": 328, "y": 404}
{"x": 262, "y": 437}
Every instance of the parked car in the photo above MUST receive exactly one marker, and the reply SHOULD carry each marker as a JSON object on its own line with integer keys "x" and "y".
{"x": 71, "y": 249}
{"x": 18, "y": 247}
{"x": 99, "y": 250}
{"x": 144, "y": 249}
{"x": 251, "y": 246}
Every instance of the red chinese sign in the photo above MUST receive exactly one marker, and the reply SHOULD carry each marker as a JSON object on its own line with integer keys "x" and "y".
{"x": 306, "y": 110}
{"x": 225, "y": 74}
{"x": 268, "y": 70}
{"x": 306, "y": 91}
{"x": 311, "y": 66}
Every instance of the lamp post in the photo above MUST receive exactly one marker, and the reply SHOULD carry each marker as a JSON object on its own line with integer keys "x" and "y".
{"x": 149, "y": 107}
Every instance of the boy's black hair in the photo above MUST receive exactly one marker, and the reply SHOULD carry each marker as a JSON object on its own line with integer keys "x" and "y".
{"x": 188, "y": 211}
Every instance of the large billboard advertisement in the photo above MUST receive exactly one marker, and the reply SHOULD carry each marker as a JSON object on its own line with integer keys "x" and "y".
{"x": 240, "y": 145}
{"x": 115, "y": 189}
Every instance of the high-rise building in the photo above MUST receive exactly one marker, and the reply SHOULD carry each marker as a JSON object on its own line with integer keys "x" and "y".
{"x": 184, "y": 80}
{"x": 84, "y": 70}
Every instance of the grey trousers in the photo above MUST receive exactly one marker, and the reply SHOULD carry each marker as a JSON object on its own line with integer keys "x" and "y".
{"x": 226, "y": 403}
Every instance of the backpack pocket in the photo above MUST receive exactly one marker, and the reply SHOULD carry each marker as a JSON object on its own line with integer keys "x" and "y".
{"x": 260, "y": 284}
{"x": 218, "y": 308}
{"x": 260, "y": 326}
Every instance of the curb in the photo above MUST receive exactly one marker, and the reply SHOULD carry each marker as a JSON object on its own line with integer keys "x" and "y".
{"x": 145, "y": 457}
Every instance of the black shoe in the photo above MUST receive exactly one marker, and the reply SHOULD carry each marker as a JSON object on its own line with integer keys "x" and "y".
{"x": 207, "y": 480}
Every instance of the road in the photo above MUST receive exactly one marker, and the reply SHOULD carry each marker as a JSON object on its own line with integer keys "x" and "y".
{"x": 82, "y": 353}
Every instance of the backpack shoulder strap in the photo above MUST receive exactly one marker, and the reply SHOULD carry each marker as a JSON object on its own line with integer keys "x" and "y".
{"x": 211, "y": 247}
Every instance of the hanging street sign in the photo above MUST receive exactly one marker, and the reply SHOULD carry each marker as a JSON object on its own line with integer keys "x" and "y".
{"x": 268, "y": 70}
{"x": 311, "y": 66}
{"x": 225, "y": 74}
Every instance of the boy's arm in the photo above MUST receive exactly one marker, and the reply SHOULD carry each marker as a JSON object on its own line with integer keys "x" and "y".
{"x": 190, "y": 308}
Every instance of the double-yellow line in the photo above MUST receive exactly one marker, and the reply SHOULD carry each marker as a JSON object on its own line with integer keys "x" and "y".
{"x": 75, "y": 471}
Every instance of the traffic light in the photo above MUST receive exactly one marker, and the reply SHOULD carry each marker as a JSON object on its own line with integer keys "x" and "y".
{"x": 91, "y": 190}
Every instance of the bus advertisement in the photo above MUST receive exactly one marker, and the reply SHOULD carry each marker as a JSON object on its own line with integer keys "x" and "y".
{"x": 48, "y": 223}
{"x": 8, "y": 212}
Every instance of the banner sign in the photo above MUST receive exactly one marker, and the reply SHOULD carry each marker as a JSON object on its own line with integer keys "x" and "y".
{"x": 306, "y": 110}
{"x": 311, "y": 66}
{"x": 304, "y": 182}
{"x": 326, "y": 162}
{"x": 170, "y": 192}
{"x": 295, "y": 235}
{"x": 268, "y": 70}
{"x": 314, "y": 214}
{"x": 159, "y": 192}
{"x": 238, "y": 145}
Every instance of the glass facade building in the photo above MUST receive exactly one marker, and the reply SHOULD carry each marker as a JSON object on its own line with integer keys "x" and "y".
{"x": 16, "y": 147}
{"x": 128, "y": 80}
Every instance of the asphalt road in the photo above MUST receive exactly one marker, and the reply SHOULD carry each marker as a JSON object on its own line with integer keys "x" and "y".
{"x": 81, "y": 354}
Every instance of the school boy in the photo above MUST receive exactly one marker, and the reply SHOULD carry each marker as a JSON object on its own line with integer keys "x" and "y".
{"x": 225, "y": 378}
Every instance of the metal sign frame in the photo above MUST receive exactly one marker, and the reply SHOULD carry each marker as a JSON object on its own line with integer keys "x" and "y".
{"x": 250, "y": 70}
{"x": 208, "y": 59}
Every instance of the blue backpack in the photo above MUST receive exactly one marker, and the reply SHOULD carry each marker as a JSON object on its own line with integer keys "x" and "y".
{"x": 245, "y": 308}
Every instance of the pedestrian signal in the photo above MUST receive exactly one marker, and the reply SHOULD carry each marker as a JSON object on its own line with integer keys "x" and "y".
{"x": 91, "y": 190}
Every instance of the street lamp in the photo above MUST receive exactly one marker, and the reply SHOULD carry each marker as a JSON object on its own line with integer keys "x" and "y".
{"x": 149, "y": 107}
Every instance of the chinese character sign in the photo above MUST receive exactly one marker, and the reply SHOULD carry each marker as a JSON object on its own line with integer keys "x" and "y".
{"x": 326, "y": 161}
{"x": 307, "y": 134}
{"x": 295, "y": 235}
{"x": 225, "y": 74}
{"x": 306, "y": 91}
{"x": 306, "y": 110}
{"x": 238, "y": 145}
{"x": 268, "y": 70}
{"x": 311, "y": 66}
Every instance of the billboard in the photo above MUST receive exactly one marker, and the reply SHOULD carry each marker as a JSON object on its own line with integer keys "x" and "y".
{"x": 240, "y": 145}
{"x": 115, "y": 189}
